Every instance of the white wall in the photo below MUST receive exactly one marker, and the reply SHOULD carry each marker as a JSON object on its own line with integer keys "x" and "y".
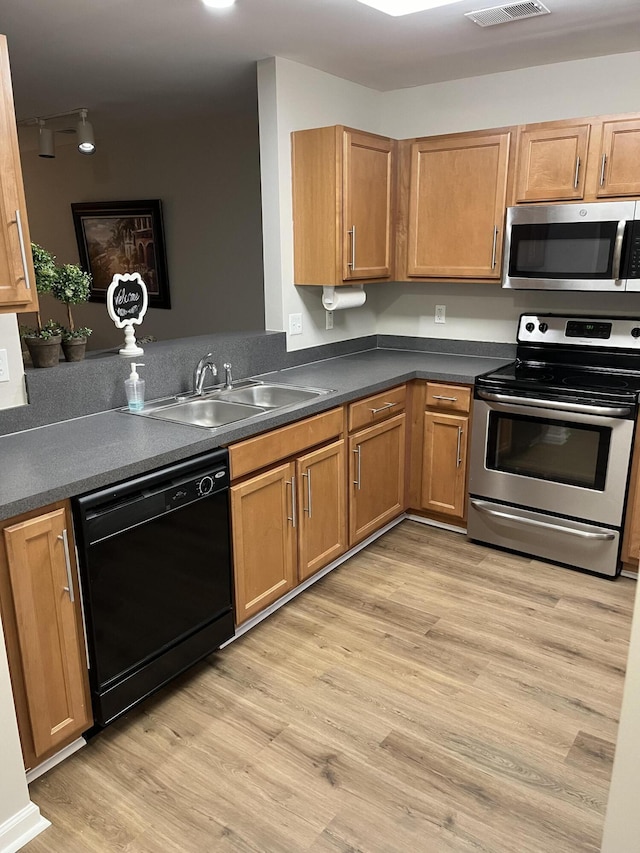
{"x": 20, "y": 819}
{"x": 564, "y": 90}
{"x": 295, "y": 97}
{"x": 206, "y": 171}
{"x": 12, "y": 393}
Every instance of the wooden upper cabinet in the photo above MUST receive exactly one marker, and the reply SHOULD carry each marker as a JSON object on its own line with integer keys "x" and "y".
{"x": 456, "y": 205}
{"x": 17, "y": 279}
{"x": 619, "y": 161}
{"x": 342, "y": 205}
{"x": 551, "y": 162}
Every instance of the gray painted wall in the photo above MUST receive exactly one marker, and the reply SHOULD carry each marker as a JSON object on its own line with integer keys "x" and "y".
{"x": 206, "y": 171}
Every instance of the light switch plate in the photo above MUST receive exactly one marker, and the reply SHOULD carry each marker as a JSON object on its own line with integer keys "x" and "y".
{"x": 4, "y": 366}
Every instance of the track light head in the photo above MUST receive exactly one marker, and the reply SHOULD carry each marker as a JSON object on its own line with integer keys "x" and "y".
{"x": 45, "y": 141}
{"x": 86, "y": 140}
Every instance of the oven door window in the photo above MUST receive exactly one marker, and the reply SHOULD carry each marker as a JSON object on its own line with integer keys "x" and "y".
{"x": 549, "y": 449}
{"x": 564, "y": 250}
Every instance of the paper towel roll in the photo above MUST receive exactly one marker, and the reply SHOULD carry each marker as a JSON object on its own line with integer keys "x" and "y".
{"x": 335, "y": 299}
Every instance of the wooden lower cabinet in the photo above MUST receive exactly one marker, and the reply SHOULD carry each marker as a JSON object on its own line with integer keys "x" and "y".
{"x": 288, "y": 523}
{"x": 376, "y": 477}
{"x": 42, "y": 619}
{"x": 444, "y": 463}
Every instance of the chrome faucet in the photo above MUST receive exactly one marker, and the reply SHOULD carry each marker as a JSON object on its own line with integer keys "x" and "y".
{"x": 199, "y": 374}
{"x": 228, "y": 378}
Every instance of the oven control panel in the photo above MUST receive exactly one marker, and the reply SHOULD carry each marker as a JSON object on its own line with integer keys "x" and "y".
{"x": 555, "y": 329}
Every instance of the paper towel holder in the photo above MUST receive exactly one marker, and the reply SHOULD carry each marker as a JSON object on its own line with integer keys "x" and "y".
{"x": 329, "y": 293}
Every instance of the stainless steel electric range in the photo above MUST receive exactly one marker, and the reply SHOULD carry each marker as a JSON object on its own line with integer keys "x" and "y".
{"x": 552, "y": 439}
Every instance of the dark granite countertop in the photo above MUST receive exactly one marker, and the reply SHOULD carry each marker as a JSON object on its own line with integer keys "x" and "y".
{"x": 60, "y": 460}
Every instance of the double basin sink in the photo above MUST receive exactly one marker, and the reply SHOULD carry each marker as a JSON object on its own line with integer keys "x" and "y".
{"x": 220, "y": 407}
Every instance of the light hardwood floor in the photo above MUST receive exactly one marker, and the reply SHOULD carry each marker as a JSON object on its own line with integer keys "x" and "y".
{"x": 428, "y": 696}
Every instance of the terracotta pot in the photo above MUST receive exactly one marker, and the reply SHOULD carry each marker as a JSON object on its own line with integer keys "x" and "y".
{"x": 74, "y": 349}
{"x": 44, "y": 353}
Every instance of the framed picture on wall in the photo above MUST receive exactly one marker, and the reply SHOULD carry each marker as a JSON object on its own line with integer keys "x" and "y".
{"x": 123, "y": 237}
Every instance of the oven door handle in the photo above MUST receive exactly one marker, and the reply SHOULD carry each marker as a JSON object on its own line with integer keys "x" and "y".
{"x": 558, "y": 405}
{"x": 582, "y": 534}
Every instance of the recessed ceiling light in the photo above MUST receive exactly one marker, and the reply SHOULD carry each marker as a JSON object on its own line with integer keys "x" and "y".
{"x": 218, "y": 4}
{"x": 406, "y": 7}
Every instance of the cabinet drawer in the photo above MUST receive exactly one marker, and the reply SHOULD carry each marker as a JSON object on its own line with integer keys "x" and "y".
{"x": 377, "y": 408}
{"x": 456, "y": 398}
{"x": 270, "y": 447}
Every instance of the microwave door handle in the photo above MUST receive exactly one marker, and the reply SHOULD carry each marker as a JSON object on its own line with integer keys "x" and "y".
{"x": 617, "y": 249}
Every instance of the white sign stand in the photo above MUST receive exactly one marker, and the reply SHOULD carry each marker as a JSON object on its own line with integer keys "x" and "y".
{"x": 127, "y": 302}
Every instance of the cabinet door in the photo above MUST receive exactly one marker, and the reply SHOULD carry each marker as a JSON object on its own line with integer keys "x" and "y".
{"x": 264, "y": 517}
{"x": 17, "y": 280}
{"x": 552, "y": 163}
{"x": 367, "y": 200}
{"x": 376, "y": 476}
{"x": 49, "y": 630}
{"x": 322, "y": 531}
{"x": 444, "y": 463}
{"x": 457, "y": 199}
{"x": 619, "y": 165}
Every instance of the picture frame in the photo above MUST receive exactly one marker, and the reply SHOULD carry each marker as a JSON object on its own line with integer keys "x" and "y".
{"x": 120, "y": 237}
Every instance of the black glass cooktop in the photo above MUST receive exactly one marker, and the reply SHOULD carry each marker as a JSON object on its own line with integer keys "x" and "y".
{"x": 564, "y": 380}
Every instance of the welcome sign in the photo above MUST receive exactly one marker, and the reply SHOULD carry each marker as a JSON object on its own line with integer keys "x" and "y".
{"x": 127, "y": 302}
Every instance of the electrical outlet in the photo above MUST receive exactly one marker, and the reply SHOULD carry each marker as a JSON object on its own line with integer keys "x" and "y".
{"x": 295, "y": 324}
{"x": 328, "y": 319}
{"x": 440, "y": 315}
{"x": 4, "y": 366}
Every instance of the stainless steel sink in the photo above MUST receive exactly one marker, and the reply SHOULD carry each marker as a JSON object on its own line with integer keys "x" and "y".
{"x": 219, "y": 407}
{"x": 206, "y": 412}
{"x": 270, "y": 396}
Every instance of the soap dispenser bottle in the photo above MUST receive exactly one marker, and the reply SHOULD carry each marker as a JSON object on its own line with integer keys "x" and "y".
{"x": 134, "y": 387}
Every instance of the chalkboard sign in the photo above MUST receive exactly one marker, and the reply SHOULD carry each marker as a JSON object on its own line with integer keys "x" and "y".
{"x": 127, "y": 299}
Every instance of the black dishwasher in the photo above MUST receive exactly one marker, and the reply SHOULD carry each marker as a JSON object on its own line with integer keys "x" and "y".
{"x": 155, "y": 563}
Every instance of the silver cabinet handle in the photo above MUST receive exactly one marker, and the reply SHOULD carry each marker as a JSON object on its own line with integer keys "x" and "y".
{"x": 352, "y": 262}
{"x": 357, "y": 482}
{"x": 602, "y": 168}
{"x": 458, "y": 457}
{"x": 67, "y": 560}
{"x": 558, "y": 405}
{"x": 307, "y": 509}
{"x": 533, "y": 522}
{"x": 23, "y": 253}
{"x": 575, "y": 178}
{"x": 495, "y": 244}
{"x": 383, "y": 408}
{"x": 442, "y": 397}
{"x": 293, "y": 518}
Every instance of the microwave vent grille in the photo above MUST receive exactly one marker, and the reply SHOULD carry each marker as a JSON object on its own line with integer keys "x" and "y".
{"x": 508, "y": 12}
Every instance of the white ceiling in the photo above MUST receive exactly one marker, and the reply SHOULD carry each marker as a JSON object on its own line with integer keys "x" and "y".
{"x": 155, "y": 56}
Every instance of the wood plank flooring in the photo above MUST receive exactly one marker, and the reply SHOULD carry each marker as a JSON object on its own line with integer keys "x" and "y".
{"x": 429, "y": 696}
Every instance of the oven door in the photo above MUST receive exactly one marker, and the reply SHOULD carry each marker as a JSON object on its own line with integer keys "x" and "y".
{"x": 570, "y": 461}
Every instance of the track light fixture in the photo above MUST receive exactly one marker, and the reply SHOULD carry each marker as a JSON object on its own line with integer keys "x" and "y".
{"x": 45, "y": 140}
{"x": 83, "y": 130}
{"x": 86, "y": 140}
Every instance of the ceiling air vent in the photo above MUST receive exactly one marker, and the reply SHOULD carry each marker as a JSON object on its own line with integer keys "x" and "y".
{"x": 506, "y": 13}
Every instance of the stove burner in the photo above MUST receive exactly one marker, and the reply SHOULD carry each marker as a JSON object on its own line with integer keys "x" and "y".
{"x": 540, "y": 373}
{"x": 595, "y": 380}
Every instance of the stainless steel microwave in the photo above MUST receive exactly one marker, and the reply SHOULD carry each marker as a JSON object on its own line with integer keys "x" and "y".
{"x": 593, "y": 247}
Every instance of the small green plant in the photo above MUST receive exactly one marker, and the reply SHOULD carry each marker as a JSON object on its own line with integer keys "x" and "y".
{"x": 71, "y": 285}
{"x": 44, "y": 266}
{"x": 76, "y": 334}
{"x": 51, "y": 329}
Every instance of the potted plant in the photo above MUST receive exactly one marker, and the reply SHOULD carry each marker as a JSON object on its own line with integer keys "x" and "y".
{"x": 71, "y": 285}
{"x": 43, "y": 341}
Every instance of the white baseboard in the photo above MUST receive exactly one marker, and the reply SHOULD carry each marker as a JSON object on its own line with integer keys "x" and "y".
{"x": 77, "y": 744}
{"x": 431, "y": 523}
{"x": 21, "y": 828}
